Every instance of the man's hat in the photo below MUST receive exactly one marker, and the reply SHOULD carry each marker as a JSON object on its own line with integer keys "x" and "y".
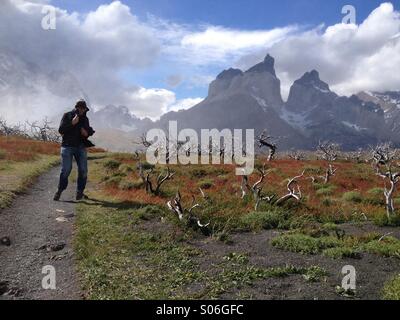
{"x": 81, "y": 104}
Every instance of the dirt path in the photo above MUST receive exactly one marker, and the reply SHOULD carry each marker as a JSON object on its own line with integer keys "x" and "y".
{"x": 40, "y": 231}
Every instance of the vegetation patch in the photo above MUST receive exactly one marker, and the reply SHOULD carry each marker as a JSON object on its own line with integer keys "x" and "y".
{"x": 342, "y": 252}
{"x": 352, "y": 196}
{"x": 20, "y": 175}
{"x": 391, "y": 290}
{"x": 206, "y": 184}
{"x": 304, "y": 244}
{"x": 112, "y": 164}
{"x": 387, "y": 247}
{"x": 274, "y": 219}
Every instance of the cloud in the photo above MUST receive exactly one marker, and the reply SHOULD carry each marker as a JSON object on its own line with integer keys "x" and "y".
{"x": 93, "y": 48}
{"x": 152, "y": 103}
{"x": 349, "y": 57}
{"x": 203, "y": 45}
{"x": 43, "y": 72}
{"x": 184, "y": 104}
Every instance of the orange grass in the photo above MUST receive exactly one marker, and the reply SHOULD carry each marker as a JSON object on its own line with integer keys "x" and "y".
{"x": 225, "y": 188}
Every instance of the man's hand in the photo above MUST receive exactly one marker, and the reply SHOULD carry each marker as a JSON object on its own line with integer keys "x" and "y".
{"x": 84, "y": 133}
{"x": 75, "y": 120}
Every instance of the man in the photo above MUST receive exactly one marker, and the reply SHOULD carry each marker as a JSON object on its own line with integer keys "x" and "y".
{"x": 75, "y": 130}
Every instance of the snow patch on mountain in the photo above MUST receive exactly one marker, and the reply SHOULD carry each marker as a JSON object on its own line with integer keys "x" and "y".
{"x": 296, "y": 120}
{"x": 260, "y": 101}
{"x": 353, "y": 126}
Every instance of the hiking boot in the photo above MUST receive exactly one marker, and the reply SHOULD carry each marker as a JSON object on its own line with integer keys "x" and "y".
{"x": 80, "y": 196}
{"x": 57, "y": 196}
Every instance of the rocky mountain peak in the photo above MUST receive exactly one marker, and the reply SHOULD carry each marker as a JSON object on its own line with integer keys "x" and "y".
{"x": 268, "y": 65}
{"x": 312, "y": 79}
{"x": 229, "y": 74}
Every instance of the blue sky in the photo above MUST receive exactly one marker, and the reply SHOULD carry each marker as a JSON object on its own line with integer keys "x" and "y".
{"x": 243, "y": 14}
{"x": 164, "y": 53}
{"x": 236, "y": 14}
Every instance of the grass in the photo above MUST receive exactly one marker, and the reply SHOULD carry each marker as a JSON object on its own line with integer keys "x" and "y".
{"x": 20, "y": 175}
{"x": 346, "y": 247}
{"x": 388, "y": 247}
{"x": 325, "y": 190}
{"x": 391, "y": 290}
{"x": 354, "y": 189}
{"x": 124, "y": 251}
{"x": 273, "y": 219}
{"x": 138, "y": 250}
{"x": 352, "y": 196}
{"x": 304, "y": 244}
{"x": 342, "y": 252}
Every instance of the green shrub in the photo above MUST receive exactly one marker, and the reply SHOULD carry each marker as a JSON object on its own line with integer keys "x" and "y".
{"x": 125, "y": 168}
{"x": 391, "y": 290}
{"x": 206, "y": 184}
{"x": 330, "y": 226}
{"x": 375, "y": 192}
{"x": 388, "y": 247}
{"x": 238, "y": 258}
{"x": 326, "y": 190}
{"x": 112, "y": 164}
{"x": 381, "y": 219}
{"x": 314, "y": 274}
{"x": 148, "y": 212}
{"x": 342, "y": 252}
{"x": 147, "y": 166}
{"x": 304, "y": 244}
{"x": 198, "y": 173}
{"x": 264, "y": 220}
{"x": 352, "y": 196}
{"x": 299, "y": 222}
{"x": 327, "y": 202}
{"x": 3, "y": 154}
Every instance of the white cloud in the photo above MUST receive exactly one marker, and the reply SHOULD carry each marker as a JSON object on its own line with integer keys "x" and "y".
{"x": 350, "y": 58}
{"x": 150, "y": 103}
{"x": 185, "y": 104}
{"x": 96, "y": 48}
{"x": 205, "y": 45}
{"x": 93, "y": 48}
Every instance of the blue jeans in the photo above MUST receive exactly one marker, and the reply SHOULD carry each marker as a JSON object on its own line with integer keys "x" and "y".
{"x": 80, "y": 155}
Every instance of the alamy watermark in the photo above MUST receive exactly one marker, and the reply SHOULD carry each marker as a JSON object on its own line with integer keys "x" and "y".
{"x": 350, "y": 14}
{"x": 49, "y": 280}
{"x": 213, "y": 147}
{"x": 349, "y": 279}
{"x": 49, "y": 21}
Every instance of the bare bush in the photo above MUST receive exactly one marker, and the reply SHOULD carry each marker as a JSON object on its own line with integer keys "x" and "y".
{"x": 384, "y": 160}
{"x": 296, "y": 155}
{"x": 294, "y": 191}
{"x": 154, "y": 187}
{"x": 264, "y": 140}
{"x": 186, "y": 215}
{"x": 328, "y": 151}
{"x": 256, "y": 188}
{"x": 43, "y": 131}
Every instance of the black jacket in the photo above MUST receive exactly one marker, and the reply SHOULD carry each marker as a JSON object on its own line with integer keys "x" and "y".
{"x": 71, "y": 135}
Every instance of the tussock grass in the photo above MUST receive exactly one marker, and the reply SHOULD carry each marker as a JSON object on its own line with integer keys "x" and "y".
{"x": 391, "y": 290}
{"x": 304, "y": 244}
{"x": 20, "y": 175}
